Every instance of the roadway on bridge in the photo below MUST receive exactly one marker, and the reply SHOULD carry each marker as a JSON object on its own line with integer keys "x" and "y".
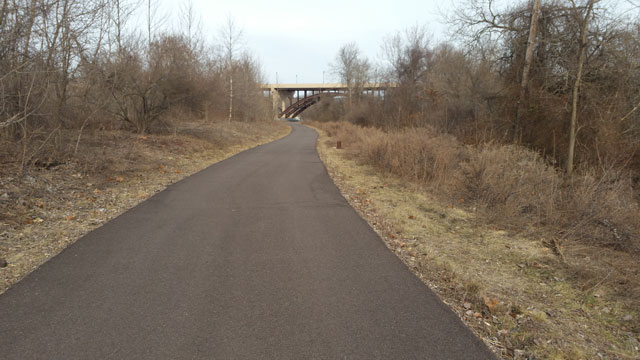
{"x": 258, "y": 256}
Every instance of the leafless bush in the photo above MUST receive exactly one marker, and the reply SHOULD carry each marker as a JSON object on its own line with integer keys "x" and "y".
{"x": 601, "y": 210}
{"x": 508, "y": 185}
{"x": 511, "y": 182}
{"x": 418, "y": 155}
{"x": 327, "y": 110}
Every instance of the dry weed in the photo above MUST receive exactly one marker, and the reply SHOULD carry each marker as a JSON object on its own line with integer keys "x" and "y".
{"x": 521, "y": 298}
{"x": 508, "y": 185}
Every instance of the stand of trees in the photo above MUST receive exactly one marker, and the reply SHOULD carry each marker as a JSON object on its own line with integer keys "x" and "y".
{"x": 567, "y": 86}
{"x": 78, "y": 64}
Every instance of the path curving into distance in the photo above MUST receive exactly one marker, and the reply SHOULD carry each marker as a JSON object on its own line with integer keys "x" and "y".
{"x": 255, "y": 257}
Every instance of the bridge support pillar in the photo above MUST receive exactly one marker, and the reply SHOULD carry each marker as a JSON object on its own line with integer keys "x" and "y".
{"x": 275, "y": 101}
{"x": 281, "y": 100}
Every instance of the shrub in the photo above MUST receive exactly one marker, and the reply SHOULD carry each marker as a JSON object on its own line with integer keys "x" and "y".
{"x": 510, "y": 182}
{"x": 509, "y": 185}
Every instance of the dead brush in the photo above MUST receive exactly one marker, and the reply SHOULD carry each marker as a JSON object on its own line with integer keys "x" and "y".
{"x": 512, "y": 185}
{"x": 509, "y": 185}
{"x": 417, "y": 155}
{"x": 600, "y": 210}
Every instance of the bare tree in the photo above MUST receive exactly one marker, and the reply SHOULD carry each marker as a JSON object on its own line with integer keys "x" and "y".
{"x": 155, "y": 20}
{"x": 121, "y": 12}
{"x": 408, "y": 57}
{"x": 475, "y": 20}
{"x": 75, "y": 64}
{"x": 535, "y": 11}
{"x": 191, "y": 22}
{"x": 582, "y": 46}
{"x": 231, "y": 38}
{"x": 352, "y": 69}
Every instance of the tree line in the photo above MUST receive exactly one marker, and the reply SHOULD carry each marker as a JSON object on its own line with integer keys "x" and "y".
{"x": 560, "y": 77}
{"x": 82, "y": 64}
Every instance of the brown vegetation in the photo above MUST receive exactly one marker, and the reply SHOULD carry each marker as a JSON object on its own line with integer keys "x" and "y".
{"x": 72, "y": 66}
{"x": 522, "y": 136}
{"x": 535, "y": 266}
{"x": 577, "y": 92}
{"x": 506, "y": 184}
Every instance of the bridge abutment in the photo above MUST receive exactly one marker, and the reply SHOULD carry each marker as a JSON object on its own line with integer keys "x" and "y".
{"x": 281, "y": 99}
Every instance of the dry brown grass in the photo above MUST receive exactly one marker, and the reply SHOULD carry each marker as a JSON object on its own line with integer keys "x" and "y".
{"x": 508, "y": 185}
{"x": 500, "y": 223}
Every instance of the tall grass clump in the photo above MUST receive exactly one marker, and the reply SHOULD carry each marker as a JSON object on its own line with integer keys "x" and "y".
{"x": 510, "y": 182}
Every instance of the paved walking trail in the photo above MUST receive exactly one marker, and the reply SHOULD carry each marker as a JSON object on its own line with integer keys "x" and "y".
{"x": 258, "y": 256}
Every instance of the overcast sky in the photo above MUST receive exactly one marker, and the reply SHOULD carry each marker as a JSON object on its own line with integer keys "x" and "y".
{"x": 302, "y": 37}
{"x": 298, "y": 39}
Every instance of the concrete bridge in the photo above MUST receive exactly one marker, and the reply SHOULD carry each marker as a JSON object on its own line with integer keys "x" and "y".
{"x": 290, "y": 100}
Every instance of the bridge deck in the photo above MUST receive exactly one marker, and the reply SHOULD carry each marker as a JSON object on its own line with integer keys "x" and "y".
{"x": 326, "y": 87}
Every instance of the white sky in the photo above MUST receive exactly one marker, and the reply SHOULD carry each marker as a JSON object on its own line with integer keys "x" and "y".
{"x": 301, "y": 37}
{"x": 297, "y": 39}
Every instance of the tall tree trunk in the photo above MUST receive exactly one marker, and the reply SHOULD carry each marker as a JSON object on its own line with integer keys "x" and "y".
{"x": 230, "y": 97}
{"x": 149, "y": 25}
{"x": 3, "y": 13}
{"x": 576, "y": 88}
{"x": 527, "y": 66}
{"x": 29, "y": 30}
{"x": 118, "y": 30}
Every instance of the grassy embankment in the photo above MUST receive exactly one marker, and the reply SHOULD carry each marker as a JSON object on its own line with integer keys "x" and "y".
{"x": 57, "y": 201}
{"x": 535, "y": 266}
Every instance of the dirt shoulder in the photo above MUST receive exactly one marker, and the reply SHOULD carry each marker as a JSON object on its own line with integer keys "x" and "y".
{"x": 54, "y": 204}
{"x": 518, "y": 296}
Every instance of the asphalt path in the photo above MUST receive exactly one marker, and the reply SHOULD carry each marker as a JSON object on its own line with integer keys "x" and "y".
{"x": 255, "y": 257}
